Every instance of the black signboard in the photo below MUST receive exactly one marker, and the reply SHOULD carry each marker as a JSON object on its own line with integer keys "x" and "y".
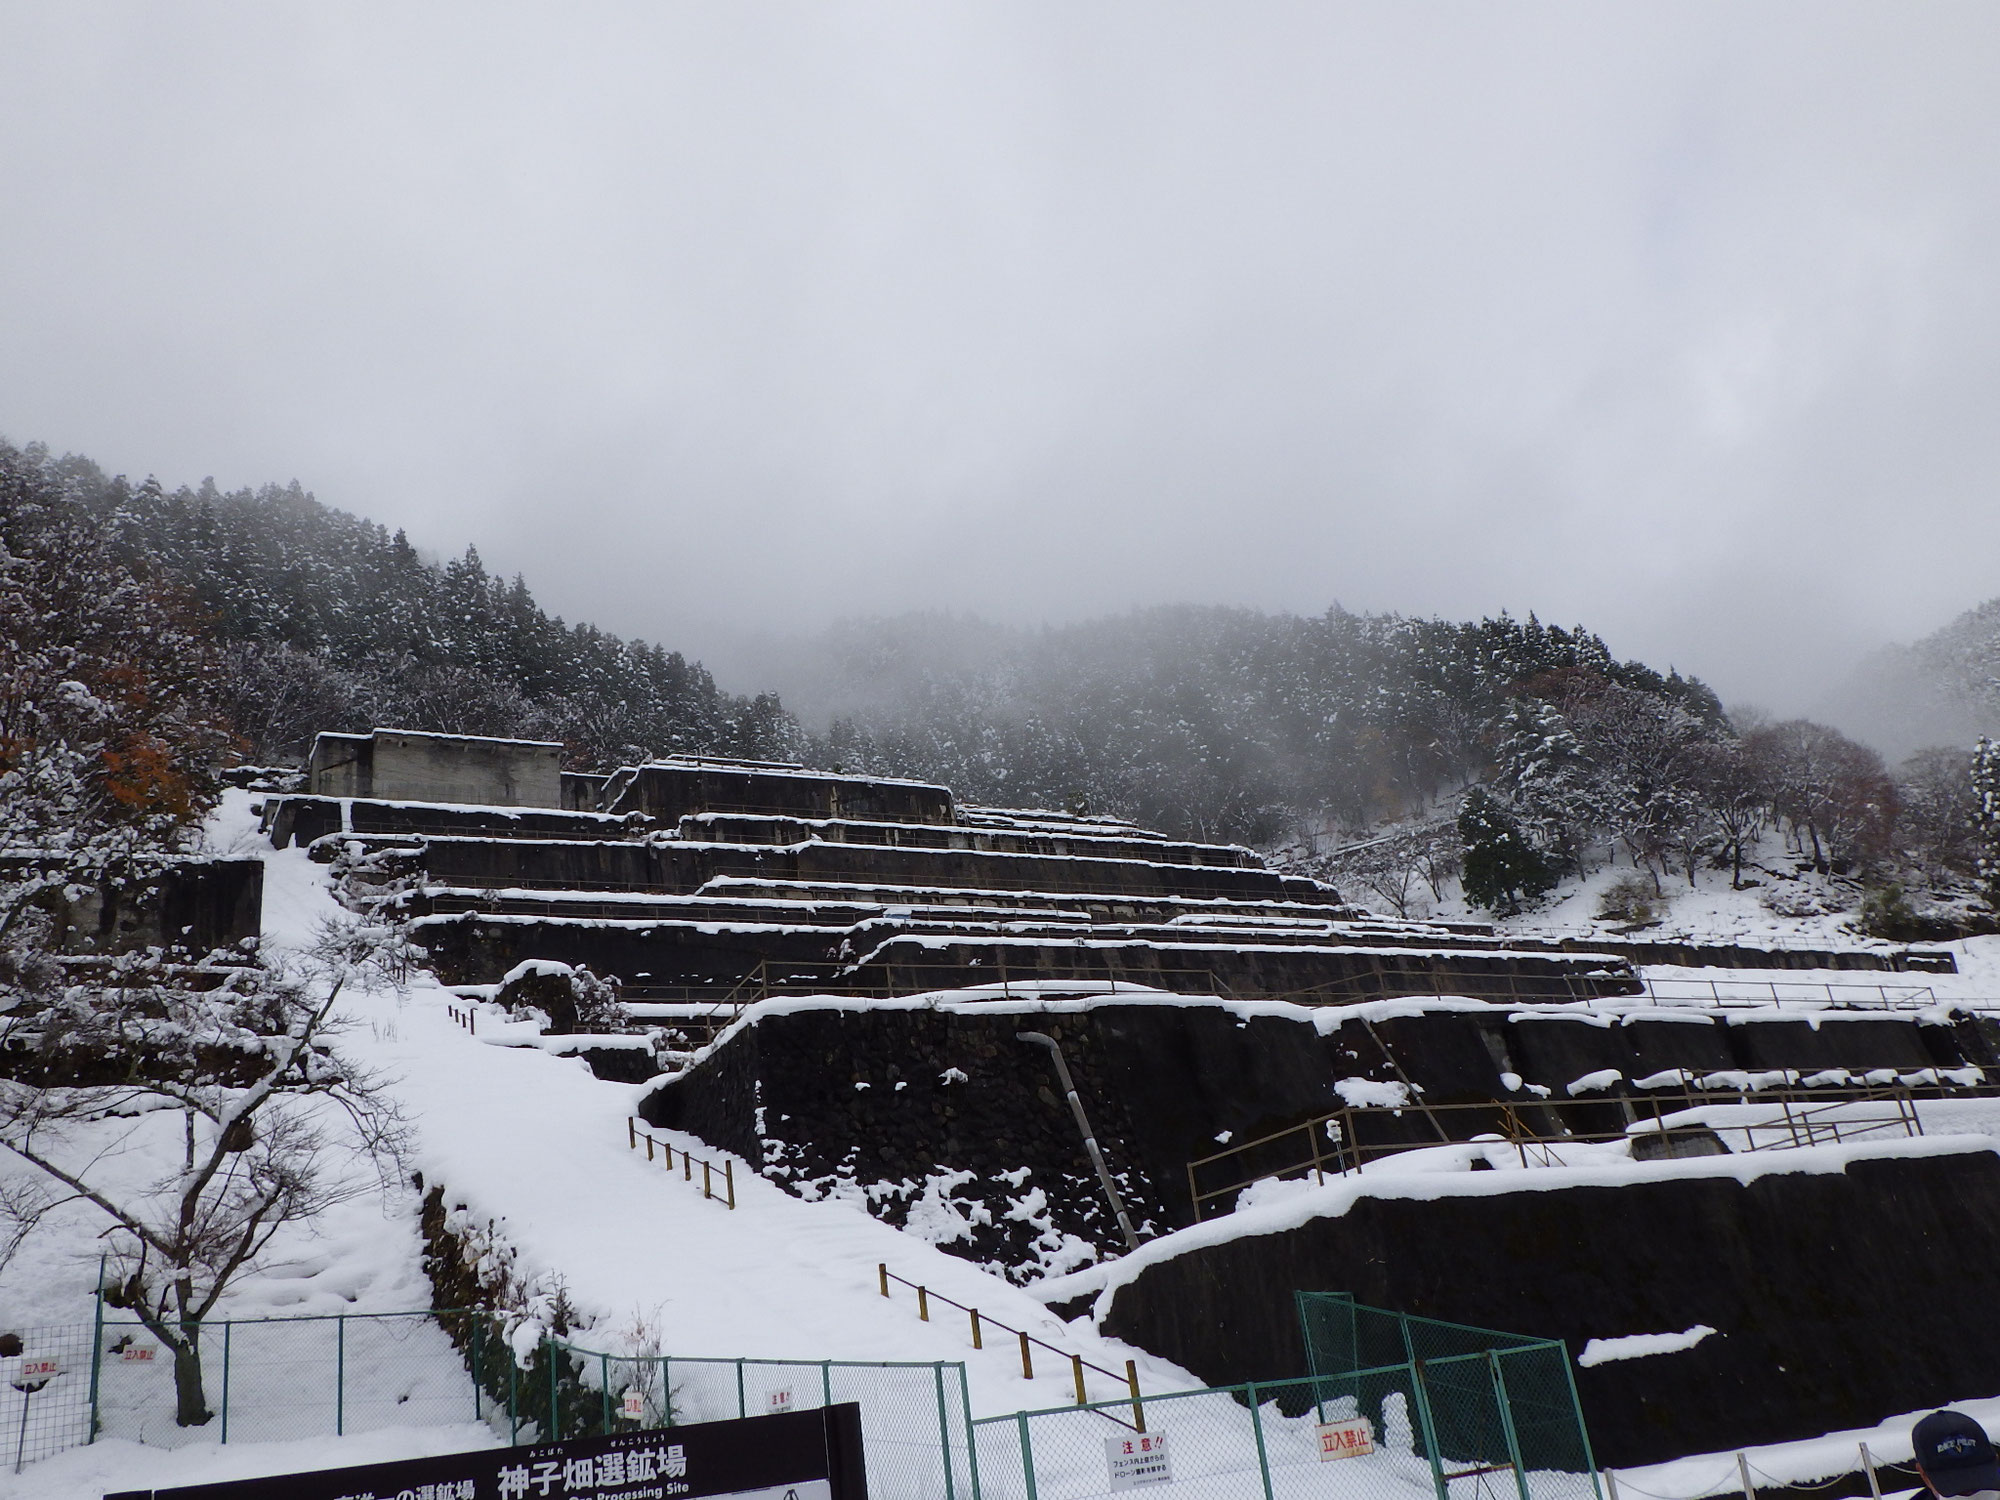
{"x": 803, "y": 1455}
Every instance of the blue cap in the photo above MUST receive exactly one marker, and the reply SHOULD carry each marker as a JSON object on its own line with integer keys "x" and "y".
{"x": 1955, "y": 1454}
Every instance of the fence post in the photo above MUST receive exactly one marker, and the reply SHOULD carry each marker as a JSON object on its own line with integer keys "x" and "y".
{"x": 632, "y": 1134}
{"x": 1027, "y": 1360}
{"x": 1868, "y": 1468}
{"x": 1257, "y": 1428}
{"x": 604, "y": 1379}
{"x": 1611, "y": 1483}
{"x": 826, "y": 1382}
{"x": 555, "y": 1409}
{"x": 340, "y": 1375}
{"x": 1138, "y": 1406}
{"x": 1507, "y": 1423}
{"x": 729, "y": 1180}
{"x": 923, "y": 1306}
{"x": 1076, "y": 1368}
{"x": 1426, "y": 1428}
{"x": 1027, "y": 1454}
{"x": 226, "y": 1326}
{"x": 473, "y": 1326}
{"x": 975, "y": 1329}
{"x": 971, "y": 1432}
{"x": 882, "y": 1273}
{"x": 742, "y": 1404}
{"x": 513, "y": 1399}
{"x": 944, "y": 1430}
{"x": 1743, "y": 1470}
{"x": 96, "y": 1351}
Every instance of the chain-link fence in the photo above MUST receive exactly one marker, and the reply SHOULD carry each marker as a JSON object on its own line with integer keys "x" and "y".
{"x": 1397, "y": 1433}
{"x": 1479, "y": 1402}
{"x": 45, "y": 1400}
{"x": 268, "y": 1379}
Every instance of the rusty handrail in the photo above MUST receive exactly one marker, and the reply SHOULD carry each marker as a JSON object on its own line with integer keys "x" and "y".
{"x": 689, "y": 1161}
{"x": 1078, "y": 1364}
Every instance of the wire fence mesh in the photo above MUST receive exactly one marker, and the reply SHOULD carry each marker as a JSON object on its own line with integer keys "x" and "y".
{"x": 263, "y": 1380}
{"x": 1483, "y": 1403}
{"x": 45, "y": 1401}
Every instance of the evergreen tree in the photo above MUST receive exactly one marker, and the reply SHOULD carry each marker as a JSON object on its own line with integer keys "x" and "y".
{"x": 1986, "y": 814}
{"x": 1501, "y": 867}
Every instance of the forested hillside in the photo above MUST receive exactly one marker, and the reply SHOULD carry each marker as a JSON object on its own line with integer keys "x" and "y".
{"x": 326, "y": 621}
{"x": 1501, "y": 756}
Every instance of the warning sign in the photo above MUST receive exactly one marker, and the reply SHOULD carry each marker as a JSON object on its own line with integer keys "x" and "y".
{"x": 1351, "y": 1438}
{"x": 1138, "y": 1458}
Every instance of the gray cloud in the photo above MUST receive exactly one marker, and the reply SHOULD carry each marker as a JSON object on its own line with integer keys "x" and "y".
{"x": 1678, "y": 320}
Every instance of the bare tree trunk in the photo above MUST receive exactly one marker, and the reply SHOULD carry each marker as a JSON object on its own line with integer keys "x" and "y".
{"x": 190, "y": 1400}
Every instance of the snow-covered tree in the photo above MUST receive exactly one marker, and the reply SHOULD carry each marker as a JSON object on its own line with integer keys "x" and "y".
{"x": 197, "y": 1122}
{"x": 1986, "y": 814}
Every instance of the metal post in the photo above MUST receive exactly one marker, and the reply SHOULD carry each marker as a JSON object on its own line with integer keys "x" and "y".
{"x": 1257, "y": 1429}
{"x": 971, "y": 1432}
{"x": 604, "y": 1382}
{"x": 1743, "y": 1470}
{"x": 1089, "y": 1139}
{"x": 96, "y": 1352}
{"x": 340, "y": 1375}
{"x": 226, "y": 1326}
{"x": 1138, "y": 1406}
{"x": 1611, "y": 1483}
{"x": 1027, "y": 1360}
{"x": 1027, "y": 1454}
{"x": 555, "y": 1410}
{"x": 513, "y": 1400}
{"x": 1507, "y": 1423}
{"x": 976, "y": 1343}
{"x": 1076, "y": 1368}
{"x": 473, "y": 1326}
{"x": 742, "y": 1405}
{"x": 1868, "y": 1468}
{"x": 944, "y": 1429}
{"x": 923, "y": 1306}
{"x": 826, "y": 1382}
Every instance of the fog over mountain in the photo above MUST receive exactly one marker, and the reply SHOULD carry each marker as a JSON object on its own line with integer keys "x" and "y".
{"x": 727, "y": 322}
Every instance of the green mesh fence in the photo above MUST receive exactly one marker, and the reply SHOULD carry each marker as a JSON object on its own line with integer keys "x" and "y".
{"x": 269, "y": 1379}
{"x": 1492, "y": 1413}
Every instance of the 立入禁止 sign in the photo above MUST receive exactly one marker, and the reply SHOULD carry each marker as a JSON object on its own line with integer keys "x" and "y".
{"x": 806, "y": 1455}
{"x": 1137, "y": 1458}
{"x": 1353, "y": 1437}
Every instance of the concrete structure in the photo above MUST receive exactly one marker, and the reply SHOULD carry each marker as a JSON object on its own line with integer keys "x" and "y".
{"x": 673, "y": 788}
{"x": 412, "y": 766}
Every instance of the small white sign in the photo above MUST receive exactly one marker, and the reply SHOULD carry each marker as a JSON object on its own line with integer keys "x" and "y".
{"x": 137, "y": 1354}
{"x": 40, "y": 1369}
{"x": 1137, "y": 1458}
{"x": 777, "y": 1401}
{"x": 633, "y": 1408}
{"x": 1351, "y": 1438}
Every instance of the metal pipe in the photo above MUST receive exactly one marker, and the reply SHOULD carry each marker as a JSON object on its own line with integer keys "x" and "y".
{"x": 1089, "y": 1140}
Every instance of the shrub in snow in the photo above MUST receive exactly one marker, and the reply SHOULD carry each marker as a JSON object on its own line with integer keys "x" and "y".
{"x": 567, "y": 1000}
{"x": 1501, "y": 867}
{"x": 1632, "y": 899}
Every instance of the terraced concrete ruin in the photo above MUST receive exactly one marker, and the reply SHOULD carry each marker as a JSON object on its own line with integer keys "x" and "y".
{"x": 854, "y": 984}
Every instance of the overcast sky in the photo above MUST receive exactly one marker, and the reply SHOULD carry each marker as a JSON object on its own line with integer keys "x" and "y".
{"x": 1682, "y": 320}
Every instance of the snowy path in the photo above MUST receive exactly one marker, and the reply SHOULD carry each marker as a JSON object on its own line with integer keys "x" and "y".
{"x": 538, "y": 1144}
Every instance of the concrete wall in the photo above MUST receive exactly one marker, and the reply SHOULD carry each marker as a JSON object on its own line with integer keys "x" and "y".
{"x": 670, "y": 791}
{"x": 449, "y": 768}
{"x": 412, "y": 766}
{"x": 1839, "y": 1298}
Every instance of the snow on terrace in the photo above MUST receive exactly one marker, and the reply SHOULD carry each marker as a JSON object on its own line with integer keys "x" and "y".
{"x": 537, "y": 1144}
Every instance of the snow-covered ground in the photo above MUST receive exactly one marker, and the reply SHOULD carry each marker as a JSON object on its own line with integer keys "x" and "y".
{"x": 535, "y": 1144}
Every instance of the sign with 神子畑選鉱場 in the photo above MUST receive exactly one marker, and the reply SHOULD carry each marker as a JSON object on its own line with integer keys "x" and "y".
{"x": 804, "y": 1455}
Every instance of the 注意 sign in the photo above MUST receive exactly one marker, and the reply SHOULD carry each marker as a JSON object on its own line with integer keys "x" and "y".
{"x": 805, "y": 1455}
{"x": 1137, "y": 1458}
{"x": 1351, "y": 1438}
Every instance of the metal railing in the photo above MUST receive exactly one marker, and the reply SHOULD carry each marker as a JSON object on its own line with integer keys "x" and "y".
{"x": 1028, "y": 1344}
{"x": 689, "y": 1161}
{"x": 1331, "y": 1144}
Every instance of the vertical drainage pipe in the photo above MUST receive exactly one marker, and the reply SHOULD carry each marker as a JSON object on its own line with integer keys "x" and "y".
{"x": 1089, "y": 1140}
